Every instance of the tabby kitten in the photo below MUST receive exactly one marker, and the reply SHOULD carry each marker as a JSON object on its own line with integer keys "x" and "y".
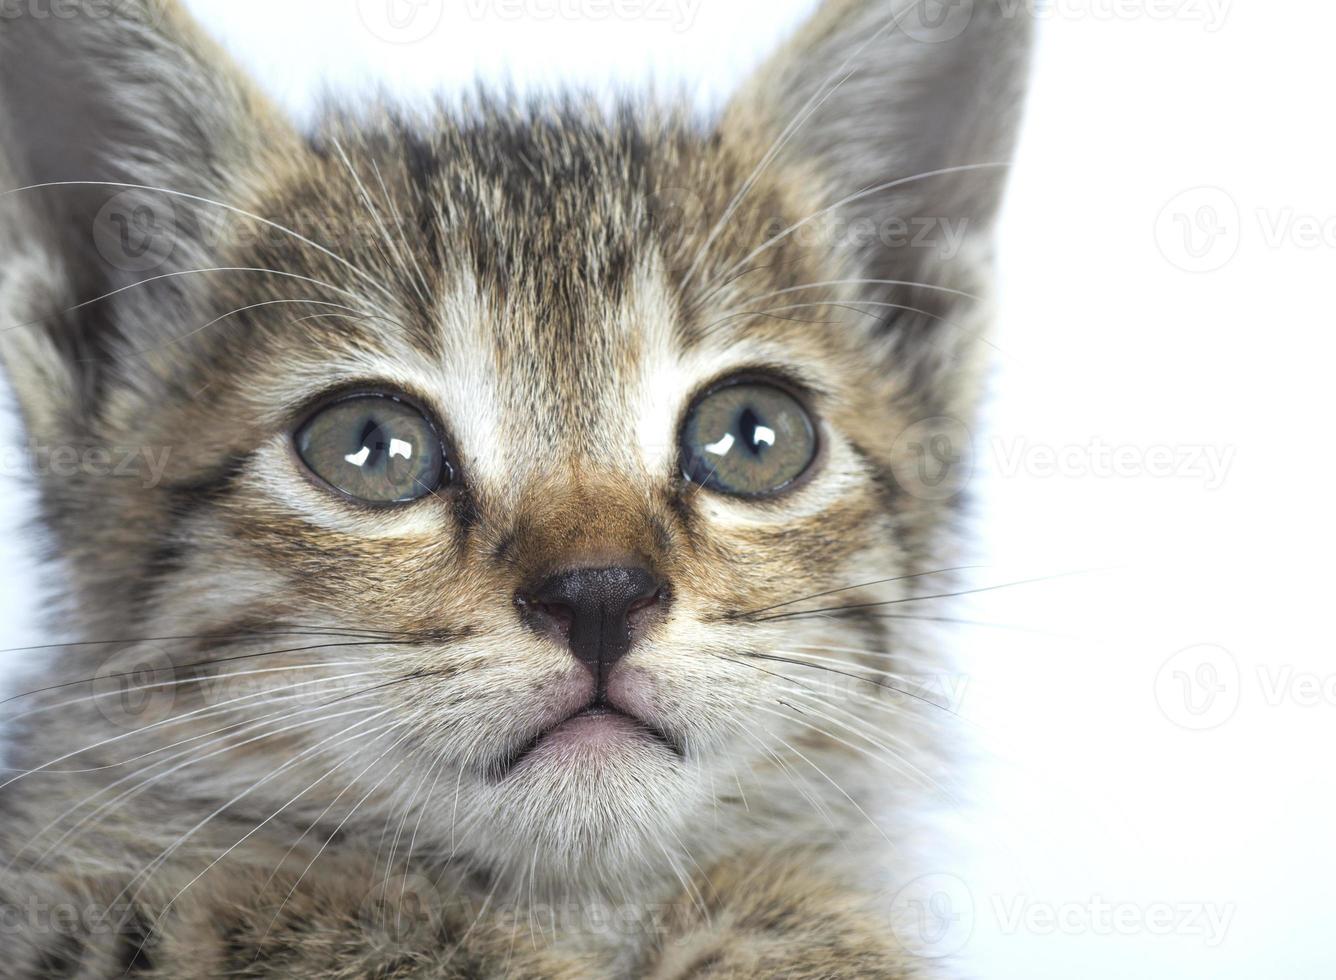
{"x": 482, "y": 538}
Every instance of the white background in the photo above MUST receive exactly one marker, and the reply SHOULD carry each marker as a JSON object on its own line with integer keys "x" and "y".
{"x": 1094, "y": 784}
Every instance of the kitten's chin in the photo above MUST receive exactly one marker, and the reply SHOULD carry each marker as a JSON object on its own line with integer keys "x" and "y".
{"x": 595, "y": 797}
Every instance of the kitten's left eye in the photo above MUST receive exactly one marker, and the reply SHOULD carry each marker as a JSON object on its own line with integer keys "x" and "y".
{"x": 747, "y": 439}
{"x": 375, "y": 448}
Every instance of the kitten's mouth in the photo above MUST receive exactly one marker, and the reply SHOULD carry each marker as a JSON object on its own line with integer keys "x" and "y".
{"x": 595, "y": 733}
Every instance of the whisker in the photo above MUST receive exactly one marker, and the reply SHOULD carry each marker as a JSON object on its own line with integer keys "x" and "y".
{"x": 166, "y": 721}
{"x": 919, "y": 598}
{"x": 789, "y": 773}
{"x": 356, "y": 806}
{"x": 897, "y": 743}
{"x": 860, "y": 585}
{"x": 205, "y": 200}
{"x": 371, "y": 209}
{"x": 200, "y": 329}
{"x": 210, "y": 662}
{"x": 803, "y": 658}
{"x": 439, "y": 767}
{"x": 887, "y": 759}
{"x": 802, "y": 287}
{"x": 828, "y": 778}
{"x": 162, "y": 858}
{"x": 177, "y": 275}
{"x": 818, "y": 98}
{"x": 295, "y": 631}
{"x": 150, "y": 869}
{"x": 732, "y": 660}
{"x": 192, "y": 758}
{"x": 867, "y": 192}
{"x": 852, "y": 307}
{"x": 958, "y": 621}
{"x": 421, "y": 287}
{"x": 209, "y": 679}
{"x": 850, "y": 304}
{"x": 843, "y": 673}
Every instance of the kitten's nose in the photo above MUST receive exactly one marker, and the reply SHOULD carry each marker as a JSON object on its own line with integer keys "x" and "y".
{"x": 595, "y": 609}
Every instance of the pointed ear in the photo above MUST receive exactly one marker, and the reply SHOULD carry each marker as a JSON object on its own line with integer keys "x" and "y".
{"x": 905, "y": 110}
{"x": 123, "y": 93}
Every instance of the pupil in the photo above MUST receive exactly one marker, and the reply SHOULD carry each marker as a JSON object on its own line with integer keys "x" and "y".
{"x": 756, "y": 435}
{"x": 374, "y": 440}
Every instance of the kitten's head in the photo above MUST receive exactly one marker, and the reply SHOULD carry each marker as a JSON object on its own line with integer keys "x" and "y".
{"x": 535, "y": 434}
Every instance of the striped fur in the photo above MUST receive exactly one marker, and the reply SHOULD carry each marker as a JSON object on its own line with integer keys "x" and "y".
{"x": 292, "y": 779}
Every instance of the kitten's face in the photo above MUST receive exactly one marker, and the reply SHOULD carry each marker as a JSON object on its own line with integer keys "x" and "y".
{"x": 547, "y": 426}
{"x": 563, "y": 371}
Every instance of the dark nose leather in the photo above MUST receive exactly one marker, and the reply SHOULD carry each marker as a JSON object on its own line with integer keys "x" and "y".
{"x": 595, "y": 609}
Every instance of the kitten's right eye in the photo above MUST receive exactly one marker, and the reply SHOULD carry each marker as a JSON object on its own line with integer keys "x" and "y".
{"x": 747, "y": 438}
{"x": 375, "y": 448}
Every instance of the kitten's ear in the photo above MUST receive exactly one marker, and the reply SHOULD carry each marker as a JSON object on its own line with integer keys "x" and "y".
{"x": 126, "y": 93}
{"x": 902, "y": 108}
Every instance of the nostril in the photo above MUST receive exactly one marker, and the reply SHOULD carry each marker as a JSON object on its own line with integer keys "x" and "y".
{"x": 647, "y": 602}
{"x": 550, "y": 614}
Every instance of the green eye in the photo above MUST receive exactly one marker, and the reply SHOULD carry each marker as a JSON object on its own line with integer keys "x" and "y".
{"x": 375, "y": 448}
{"x": 748, "y": 439}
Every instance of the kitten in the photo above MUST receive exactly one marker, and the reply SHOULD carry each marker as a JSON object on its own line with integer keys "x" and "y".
{"x": 481, "y": 535}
